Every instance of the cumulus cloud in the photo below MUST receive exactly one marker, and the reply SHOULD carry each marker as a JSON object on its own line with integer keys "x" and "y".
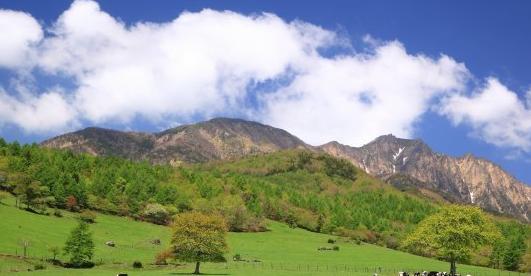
{"x": 45, "y": 113}
{"x": 20, "y": 31}
{"x": 354, "y": 99}
{"x": 495, "y": 113}
{"x": 222, "y": 63}
{"x": 200, "y": 63}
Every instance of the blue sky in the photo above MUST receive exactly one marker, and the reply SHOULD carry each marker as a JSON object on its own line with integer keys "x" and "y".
{"x": 453, "y": 73}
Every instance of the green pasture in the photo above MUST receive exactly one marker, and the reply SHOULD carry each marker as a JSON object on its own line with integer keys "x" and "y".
{"x": 280, "y": 251}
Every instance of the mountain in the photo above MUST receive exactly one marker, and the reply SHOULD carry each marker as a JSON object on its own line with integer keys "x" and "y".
{"x": 466, "y": 179}
{"x": 401, "y": 162}
{"x": 217, "y": 139}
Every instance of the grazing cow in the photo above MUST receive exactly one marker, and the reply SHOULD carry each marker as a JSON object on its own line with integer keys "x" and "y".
{"x": 433, "y": 273}
{"x": 424, "y": 273}
{"x": 110, "y": 243}
{"x": 403, "y": 273}
{"x": 121, "y": 274}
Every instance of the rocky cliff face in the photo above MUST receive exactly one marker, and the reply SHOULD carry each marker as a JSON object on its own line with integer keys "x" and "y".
{"x": 219, "y": 138}
{"x": 465, "y": 179}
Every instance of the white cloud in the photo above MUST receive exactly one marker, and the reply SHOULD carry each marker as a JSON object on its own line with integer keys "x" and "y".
{"x": 19, "y": 32}
{"x": 46, "y": 113}
{"x": 495, "y": 113}
{"x": 203, "y": 64}
{"x": 354, "y": 99}
{"x": 200, "y": 63}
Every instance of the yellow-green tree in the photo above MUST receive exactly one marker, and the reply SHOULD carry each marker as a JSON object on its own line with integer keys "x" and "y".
{"x": 454, "y": 232}
{"x": 199, "y": 238}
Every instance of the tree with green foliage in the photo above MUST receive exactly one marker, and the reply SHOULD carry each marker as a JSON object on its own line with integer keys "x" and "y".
{"x": 454, "y": 233}
{"x": 54, "y": 250}
{"x": 199, "y": 238}
{"x": 514, "y": 252}
{"x": 496, "y": 256}
{"x": 320, "y": 223}
{"x": 80, "y": 245}
{"x": 30, "y": 192}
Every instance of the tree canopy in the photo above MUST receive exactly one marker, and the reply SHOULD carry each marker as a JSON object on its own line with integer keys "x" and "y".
{"x": 80, "y": 245}
{"x": 454, "y": 233}
{"x": 199, "y": 238}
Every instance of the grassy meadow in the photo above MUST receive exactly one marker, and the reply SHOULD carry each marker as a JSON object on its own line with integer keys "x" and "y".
{"x": 281, "y": 251}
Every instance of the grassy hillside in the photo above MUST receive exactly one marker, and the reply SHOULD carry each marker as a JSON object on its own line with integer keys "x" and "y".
{"x": 132, "y": 238}
{"x": 281, "y": 251}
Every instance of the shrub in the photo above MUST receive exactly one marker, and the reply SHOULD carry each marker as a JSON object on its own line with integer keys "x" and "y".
{"x": 156, "y": 213}
{"x": 335, "y": 248}
{"x": 3, "y": 195}
{"x": 253, "y": 224}
{"x": 39, "y": 266}
{"x": 392, "y": 242}
{"x": 137, "y": 264}
{"x": 71, "y": 203}
{"x": 57, "y": 213}
{"x": 161, "y": 257}
{"x": 331, "y": 241}
{"x": 88, "y": 216}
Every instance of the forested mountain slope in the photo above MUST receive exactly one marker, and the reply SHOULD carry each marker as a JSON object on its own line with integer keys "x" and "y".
{"x": 401, "y": 162}
{"x": 217, "y": 139}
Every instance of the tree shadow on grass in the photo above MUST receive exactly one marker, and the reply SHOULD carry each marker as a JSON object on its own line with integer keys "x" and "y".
{"x": 189, "y": 273}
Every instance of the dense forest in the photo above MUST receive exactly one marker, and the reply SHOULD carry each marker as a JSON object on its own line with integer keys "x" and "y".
{"x": 308, "y": 190}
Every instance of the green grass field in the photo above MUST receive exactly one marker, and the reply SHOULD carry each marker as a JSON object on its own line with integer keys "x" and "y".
{"x": 281, "y": 251}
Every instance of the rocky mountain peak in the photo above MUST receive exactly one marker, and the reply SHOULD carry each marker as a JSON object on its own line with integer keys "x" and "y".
{"x": 467, "y": 179}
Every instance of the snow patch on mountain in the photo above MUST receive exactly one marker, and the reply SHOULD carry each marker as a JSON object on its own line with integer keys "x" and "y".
{"x": 398, "y": 153}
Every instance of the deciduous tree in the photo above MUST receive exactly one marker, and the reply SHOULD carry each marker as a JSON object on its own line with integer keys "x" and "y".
{"x": 25, "y": 243}
{"x": 199, "y": 238}
{"x": 515, "y": 251}
{"x": 454, "y": 232}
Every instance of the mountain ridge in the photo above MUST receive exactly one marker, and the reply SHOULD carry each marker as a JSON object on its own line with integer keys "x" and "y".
{"x": 465, "y": 179}
{"x": 468, "y": 178}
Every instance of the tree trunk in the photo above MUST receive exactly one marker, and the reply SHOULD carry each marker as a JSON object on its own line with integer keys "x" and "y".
{"x": 197, "y": 268}
{"x": 452, "y": 267}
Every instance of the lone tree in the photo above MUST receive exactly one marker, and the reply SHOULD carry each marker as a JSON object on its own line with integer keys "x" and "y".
{"x": 54, "y": 250}
{"x": 199, "y": 238}
{"x": 454, "y": 232}
{"x": 80, "y": 246}
{"x": 25, "y": 243}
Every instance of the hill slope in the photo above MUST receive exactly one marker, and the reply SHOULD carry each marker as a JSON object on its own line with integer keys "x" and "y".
{"x": 217, "y": 139}
{"x": 281, "y": 251}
